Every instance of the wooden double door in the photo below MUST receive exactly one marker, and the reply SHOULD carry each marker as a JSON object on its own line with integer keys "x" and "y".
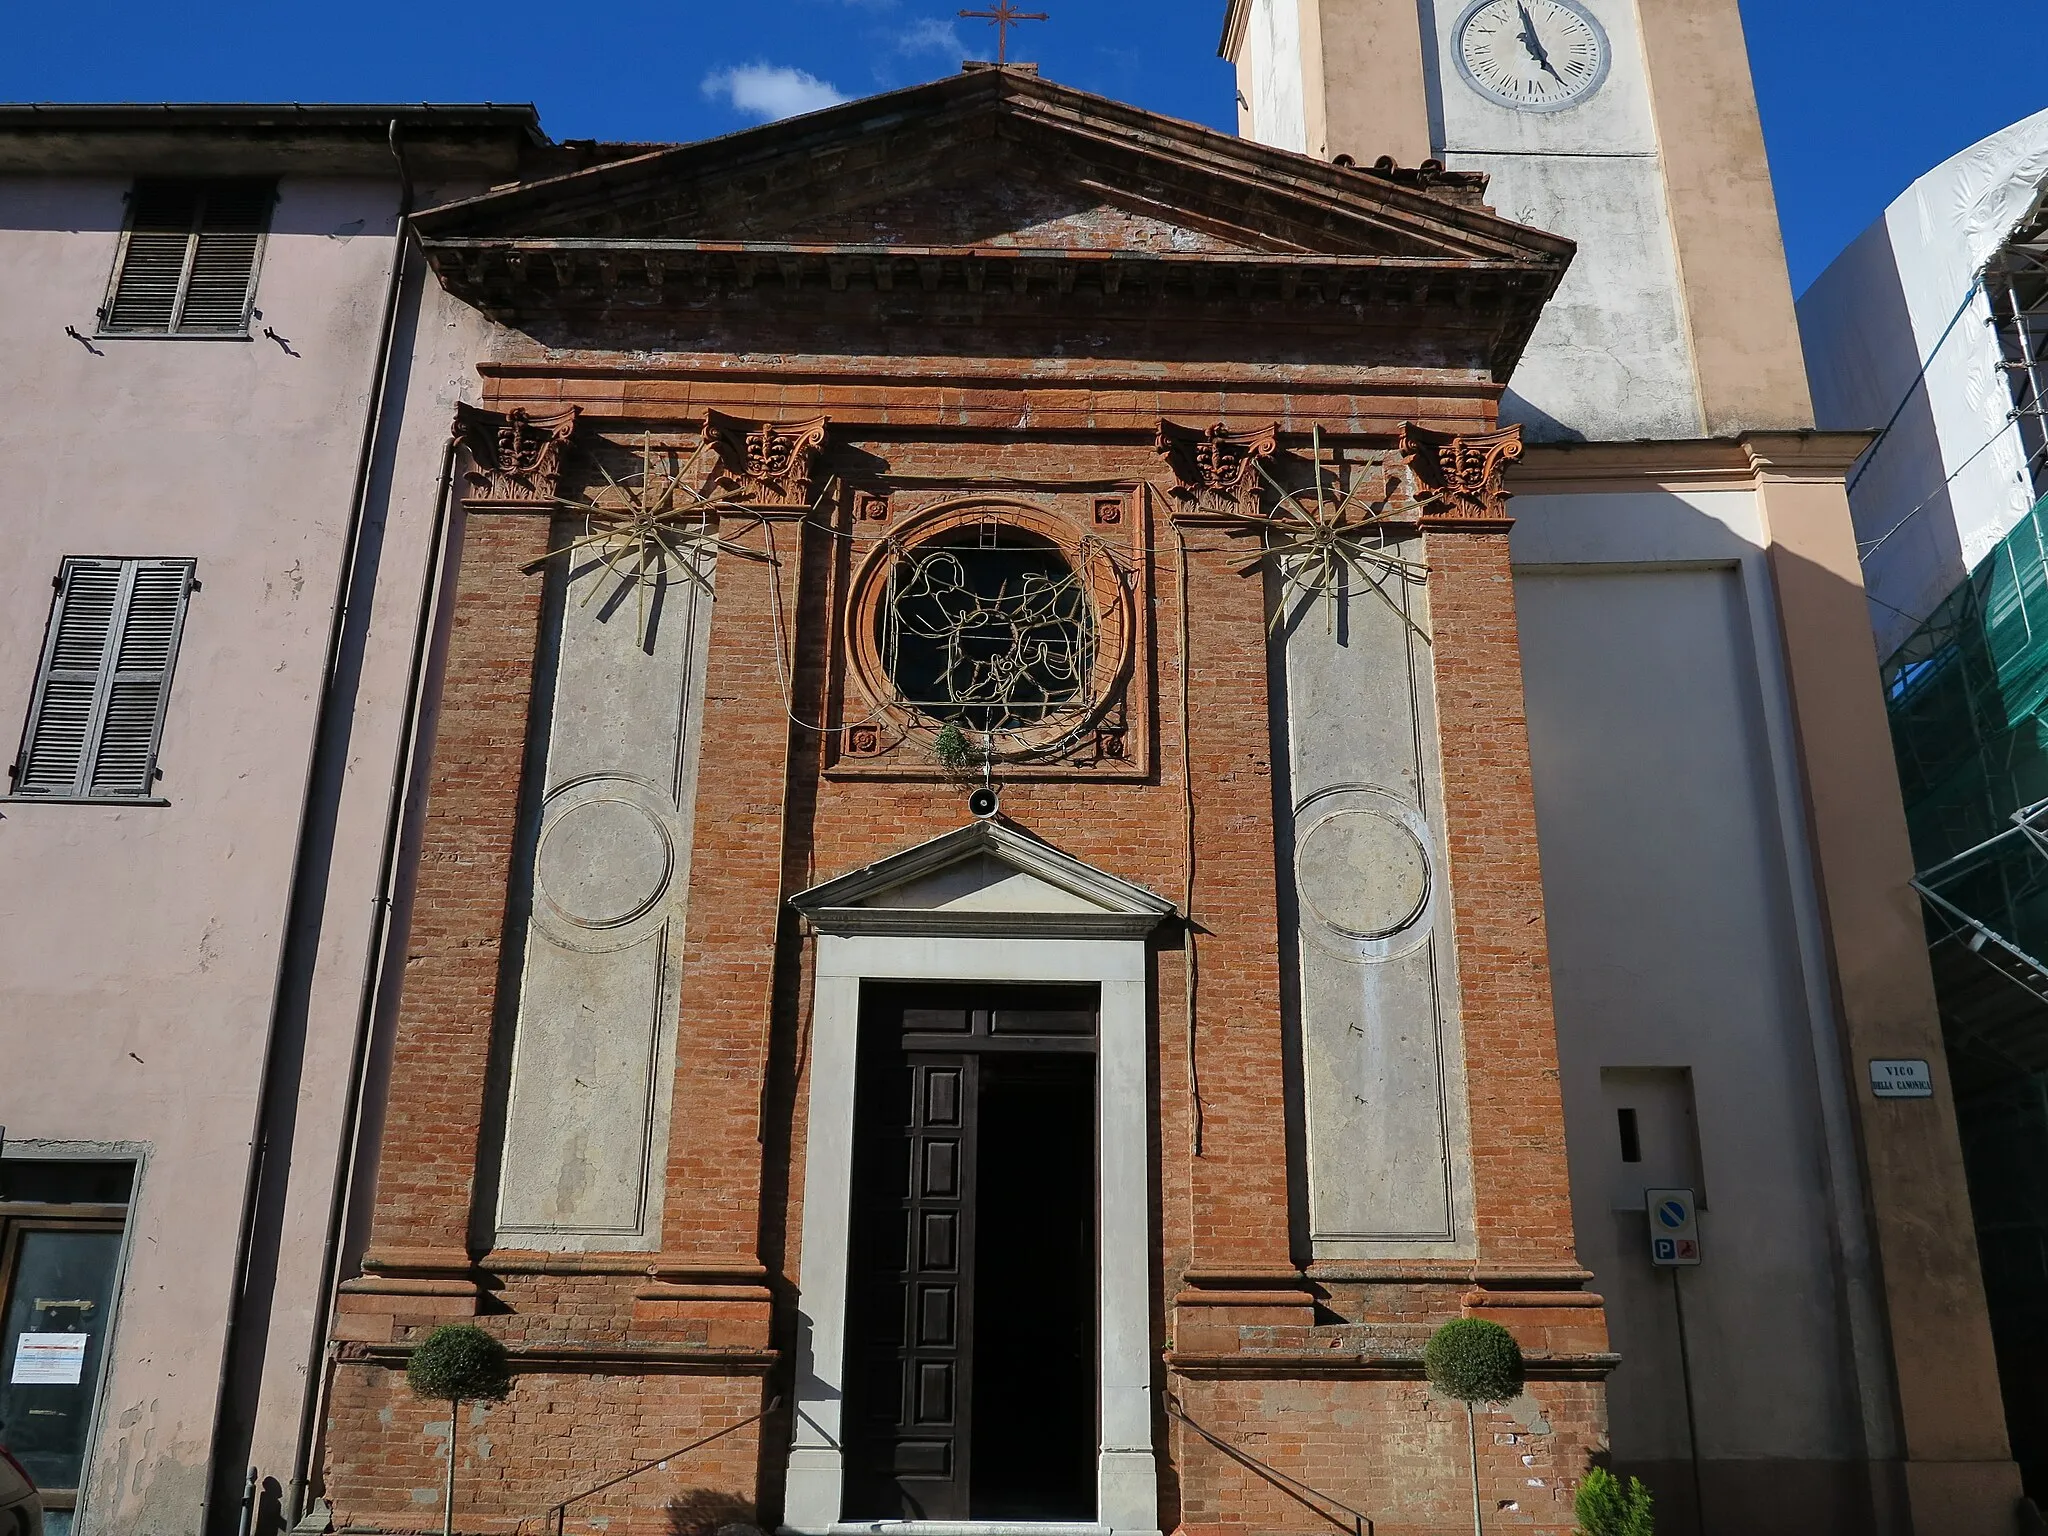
{"x": 972, "y": 1381}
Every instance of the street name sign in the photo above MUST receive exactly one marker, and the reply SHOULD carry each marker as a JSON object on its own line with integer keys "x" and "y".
{"x": 1902, "y": 1079}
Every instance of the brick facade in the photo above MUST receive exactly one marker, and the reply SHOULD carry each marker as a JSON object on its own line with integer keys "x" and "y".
{"x": 1310, "y": 1370}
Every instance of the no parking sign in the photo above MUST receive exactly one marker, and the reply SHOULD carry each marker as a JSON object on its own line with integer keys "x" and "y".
{"x": 1674, "y": 1228}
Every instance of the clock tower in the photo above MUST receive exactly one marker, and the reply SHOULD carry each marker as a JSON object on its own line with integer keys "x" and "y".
{"x": 1732, "y": 935}
{"x": 1629, "y": 125}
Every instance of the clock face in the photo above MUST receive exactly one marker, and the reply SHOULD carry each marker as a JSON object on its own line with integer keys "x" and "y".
{"x": 1531, "y": 55}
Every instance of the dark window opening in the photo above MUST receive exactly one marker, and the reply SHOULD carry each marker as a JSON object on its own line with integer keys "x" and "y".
{"x": 1034, "y": 1294}
{"x": 188, "y": 263}
{"x": 60, "y": 1251}
{"x": 1631, "y": 1137}
{"x": 971, "y": 1362}
{"x": 990, "y": 631}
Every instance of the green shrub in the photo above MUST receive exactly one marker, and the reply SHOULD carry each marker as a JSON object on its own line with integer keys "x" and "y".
{"x": 951, "y": 749}
{"x": 1474, "y": 1361}
{"x": 460, "y": 1363}
{"x": 1605, "y": 1508}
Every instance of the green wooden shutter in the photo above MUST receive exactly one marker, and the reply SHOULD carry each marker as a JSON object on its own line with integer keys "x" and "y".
{"x": 99, "y": 702}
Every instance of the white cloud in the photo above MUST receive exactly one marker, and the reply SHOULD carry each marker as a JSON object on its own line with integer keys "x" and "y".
{"x": 929, "y": 35}
{"x": 771, "y": 91}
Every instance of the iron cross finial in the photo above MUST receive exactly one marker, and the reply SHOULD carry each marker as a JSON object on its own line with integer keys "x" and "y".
{"x": 1005, "y": 16}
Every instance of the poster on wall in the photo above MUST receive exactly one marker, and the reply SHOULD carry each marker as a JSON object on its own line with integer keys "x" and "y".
{"x": 49, "y": 1359}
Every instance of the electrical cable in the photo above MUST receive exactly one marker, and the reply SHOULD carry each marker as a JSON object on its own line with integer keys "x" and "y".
{"x": 1920, "y": 378}
{"x": 1189, "y": 963}
{"x": 1864, "y": 552}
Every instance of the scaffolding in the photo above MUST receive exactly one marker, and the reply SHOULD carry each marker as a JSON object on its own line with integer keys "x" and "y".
{"x": 1968, "y": 699}
{"x": 2016, "y": 283}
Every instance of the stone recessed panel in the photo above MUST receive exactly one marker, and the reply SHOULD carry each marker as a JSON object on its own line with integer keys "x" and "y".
{"x": 1364, "y": 874}
{"x": 604, "y": 860}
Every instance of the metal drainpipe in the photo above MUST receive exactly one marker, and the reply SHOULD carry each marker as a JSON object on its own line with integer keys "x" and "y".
{"x": 312, "y": 1402}
{"x": 319, "y": 1368}
{"x": 380, "y": 389}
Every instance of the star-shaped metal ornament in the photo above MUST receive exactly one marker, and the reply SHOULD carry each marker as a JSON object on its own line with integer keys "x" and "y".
{"x": 1321, "y": 536}
{"x": 658, "y": 524}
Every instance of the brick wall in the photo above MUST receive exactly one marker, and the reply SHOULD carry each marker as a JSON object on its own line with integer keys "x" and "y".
{"x": 688, "y": 1333}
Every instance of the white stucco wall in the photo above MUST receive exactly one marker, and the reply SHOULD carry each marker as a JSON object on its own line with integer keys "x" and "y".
{"x": 1269, "y": 76}
{"x": 1684, "y": 935}
{"x": 140, "y": 946}
{"x": 1611, "y": 358}
{"x": 1950, "y": 480}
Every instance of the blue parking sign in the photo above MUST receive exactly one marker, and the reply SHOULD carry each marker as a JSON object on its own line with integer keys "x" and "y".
{"x": 1674, "y": 1228}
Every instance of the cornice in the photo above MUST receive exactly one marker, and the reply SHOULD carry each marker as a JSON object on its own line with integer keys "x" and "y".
{"x": 1326, "y": 379}
{"x": 1198, "y": 168}
{"x": 1235, "y": 20}
{"x": 1806, "y": 456}
{"x": 1484, "y": 308}
{"x": 559, "y": 1357}
{"x": 903, "y": 922}
{"x": 1542, "y": 1365}
{"x": 1687, "y": 464}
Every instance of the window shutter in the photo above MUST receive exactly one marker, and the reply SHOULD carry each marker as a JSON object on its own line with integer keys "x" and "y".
{"x": 231, "y": 225}
{"x": 188, "y": 263}
{"x": 99, "y": 704}
{"x": 153, "y": 261}
{"x": 124, "y": 762}
{"x": 60, "y": 721}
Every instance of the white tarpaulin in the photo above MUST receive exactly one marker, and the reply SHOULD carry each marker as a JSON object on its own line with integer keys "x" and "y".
{"x": 1886, "y": 309}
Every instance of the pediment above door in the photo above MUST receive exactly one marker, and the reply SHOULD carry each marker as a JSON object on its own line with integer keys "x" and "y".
{"x": 987, "y": 880}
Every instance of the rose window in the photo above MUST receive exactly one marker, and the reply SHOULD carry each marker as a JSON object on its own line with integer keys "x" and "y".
{"x": 988, "y": 628}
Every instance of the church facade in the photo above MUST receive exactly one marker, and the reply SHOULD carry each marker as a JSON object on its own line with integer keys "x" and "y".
{"x": 979, "y": 920}
{"x": 1030, "y": 872}
{"x": 1025, "y": 786}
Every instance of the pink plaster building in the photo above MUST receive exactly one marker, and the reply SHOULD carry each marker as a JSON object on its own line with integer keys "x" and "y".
{"x": 227, "y": 397}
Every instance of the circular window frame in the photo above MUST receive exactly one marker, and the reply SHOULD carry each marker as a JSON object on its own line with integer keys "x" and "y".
{"x": 874, "y": 699}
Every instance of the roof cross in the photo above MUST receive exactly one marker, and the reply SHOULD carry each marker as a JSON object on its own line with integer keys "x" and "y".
{"x": 1005, "y": 16}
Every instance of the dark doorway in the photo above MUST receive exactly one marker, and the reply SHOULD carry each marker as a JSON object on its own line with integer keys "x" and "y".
{"x": 971, "y": 1353}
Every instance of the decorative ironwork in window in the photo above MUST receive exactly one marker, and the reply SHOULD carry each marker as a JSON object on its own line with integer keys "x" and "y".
{"x": 989, "y": 628}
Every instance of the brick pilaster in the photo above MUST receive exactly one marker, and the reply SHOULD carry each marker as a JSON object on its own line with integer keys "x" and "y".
{"x": 1241, "y": 1269}
{"x": 710, "y": 1279}
{"x": 1521, "y": 1185}
{"x": 419, "y": 1260}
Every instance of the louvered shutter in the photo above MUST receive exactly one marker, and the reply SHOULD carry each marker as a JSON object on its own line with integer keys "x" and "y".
{"x": 188, "y": 263}
{"x": 99, "y": 703}
{"x": 146, "y": 288}
{"x": 232, "y": 218}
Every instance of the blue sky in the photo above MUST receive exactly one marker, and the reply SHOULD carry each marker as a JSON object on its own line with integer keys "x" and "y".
{"x": 1858, "y": 96}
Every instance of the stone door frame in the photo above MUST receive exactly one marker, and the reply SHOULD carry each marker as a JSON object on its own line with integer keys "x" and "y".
{"x": 1126, "y": 1471}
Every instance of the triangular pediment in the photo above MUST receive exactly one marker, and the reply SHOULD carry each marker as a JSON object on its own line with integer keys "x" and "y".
{"x": 1004, "y": 203}
{"x": 1001, "y": 159}
{"x": 987, "y": 878}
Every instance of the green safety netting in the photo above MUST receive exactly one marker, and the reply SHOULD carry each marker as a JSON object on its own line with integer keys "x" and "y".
{"x": 1968, "y": 697}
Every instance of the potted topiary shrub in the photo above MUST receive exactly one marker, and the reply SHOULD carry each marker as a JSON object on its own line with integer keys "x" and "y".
{"x": 1605, "y": 1508}
{"x": 455, "y": 1364}
{"x": 1472, "y": 1361}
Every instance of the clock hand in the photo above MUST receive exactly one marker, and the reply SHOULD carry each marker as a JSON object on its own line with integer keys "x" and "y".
{"x": 1529, "y": 40}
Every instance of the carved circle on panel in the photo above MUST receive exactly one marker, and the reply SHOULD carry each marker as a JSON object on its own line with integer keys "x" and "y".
{"x": 604, "y": 863}
{"x": 1364, "y": 871}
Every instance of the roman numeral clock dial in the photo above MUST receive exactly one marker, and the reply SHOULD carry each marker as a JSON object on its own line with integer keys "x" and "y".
{"x": 1531, "y": 55}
